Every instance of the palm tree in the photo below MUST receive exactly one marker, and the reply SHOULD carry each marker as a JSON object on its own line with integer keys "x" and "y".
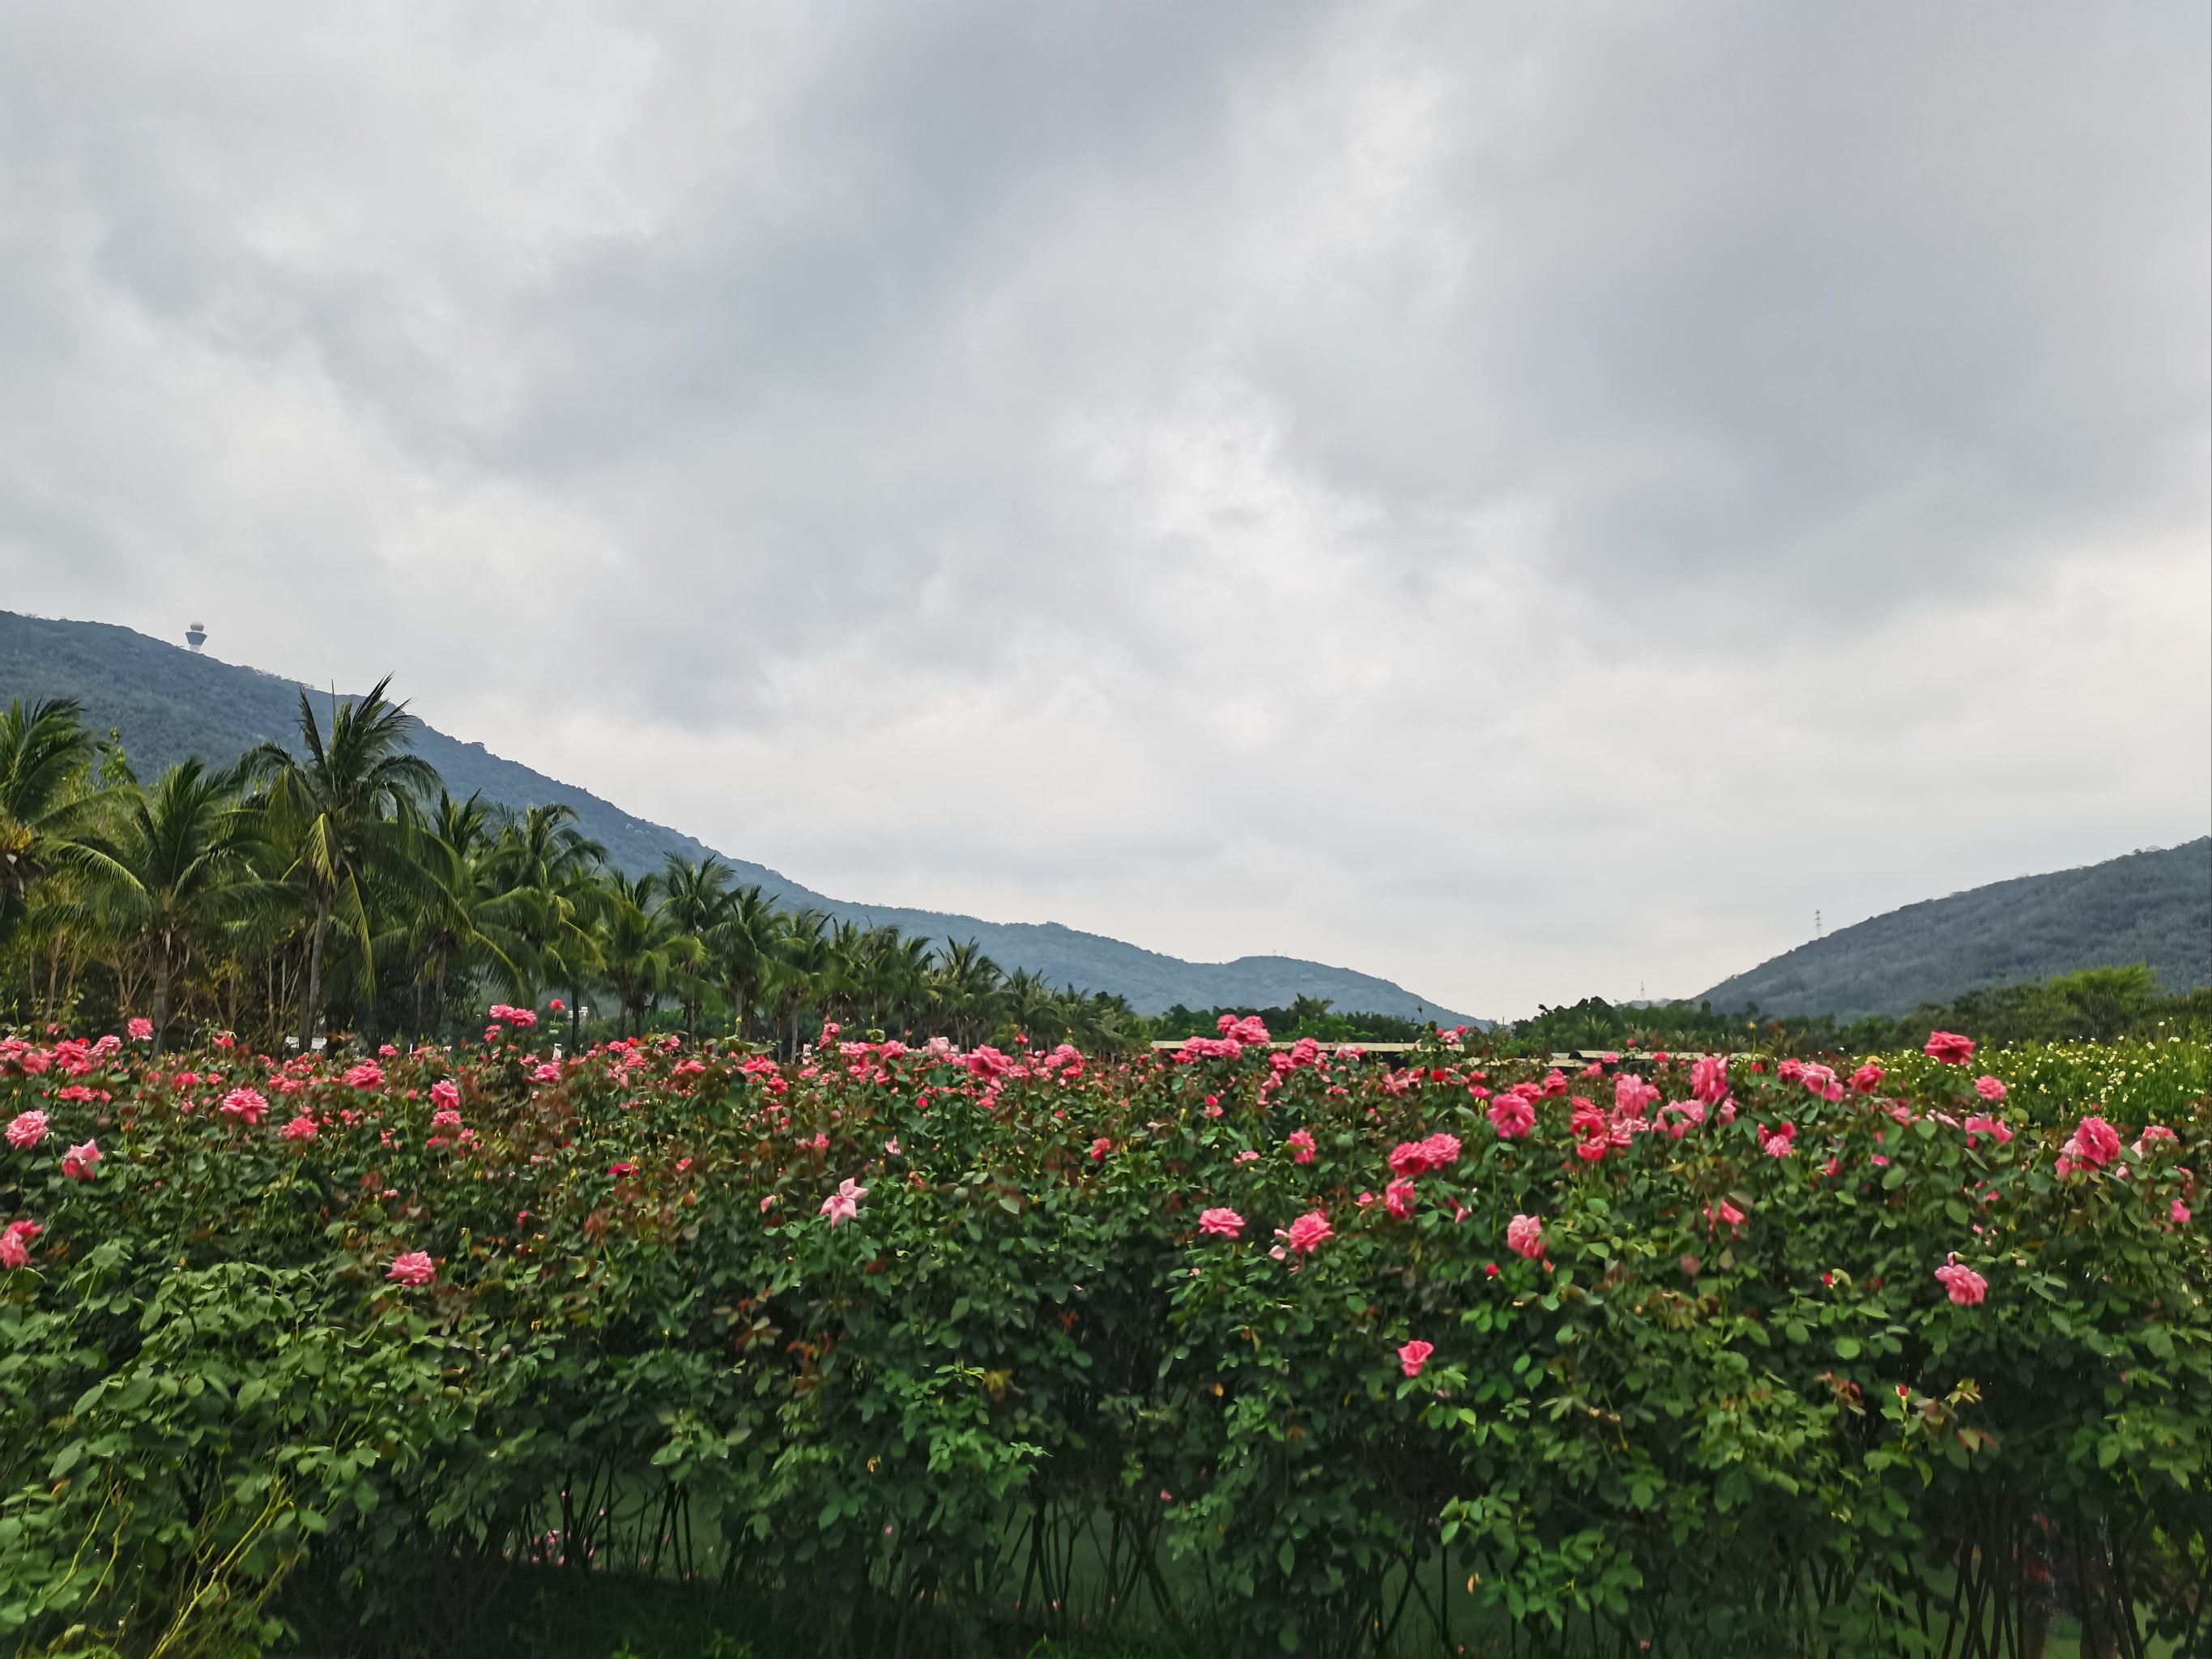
{"x": 742, "y": 941}
{"x": 45, "y": 751}
{"x": 464, "y": 916}
{"x": 894, "y": 979}
{"x": 694, "y": 897}
{"x": 966, "y": 988}
{"x": 800, "y": 964}
{"x": 338, "y": 811}
{"x": 175, "y": 873}
{"x": 545, "y": 853}
{"x": 1030, "y": 1005}
{"x": 641, "y": 947}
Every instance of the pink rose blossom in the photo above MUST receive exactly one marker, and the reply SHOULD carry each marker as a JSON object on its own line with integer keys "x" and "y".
{"x": 1989, "y": 1088}
{"x": 1301, "y": 1143}
{"x": 1524, "y": 1236}
{"x": 1631, "y": 1095}
{"x": 302, "y": 1127}
{"x": 412, "y": 1267}
{"x": 248, "y": 1104}
{"x": 1966, "y": 1287}
{"x": 1950, "y": 1048}
{"x": 1512, "y": 1116}
{"x": 366, "y": 1075}
{"x": 1867, "y": 1077}
{"x": 1982, "y": 1124}
{"x": 988, "y": 1063}
{"x": 1412, "y": 1157}
{"x": 1100, "y": 1147}
{"x": 1308, "y": 1233}
{"x": 141, "y": 1029}
{"x": 80, "y": 1163}
{"x": 2094, "y": 1142}
{"x": 1220, "y": 1221}
{"x": 15, "y": 1243}
{"x": 1411, "y": 1356}
{"x": 1709, "y": 1079}
{"x": 27, "y": 1130}
{"x": 2179, "y": 1213}
{"x": 1398, "y": 1198}
{"x": 844, "y": 1204}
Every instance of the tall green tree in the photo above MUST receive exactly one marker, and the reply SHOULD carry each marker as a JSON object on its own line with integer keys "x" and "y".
{"x": 45, "y": 753}
{"x": 544, "y": 854}
{"x": 641, "y": 948}
{"x": 742, "y": 944}
{"x": 966, "y": 991}
{"x": 461, "y": 918}
{"x": 335, "y": 808}
{"x": 175, "y": 874}
{"x": 693, "y": 896}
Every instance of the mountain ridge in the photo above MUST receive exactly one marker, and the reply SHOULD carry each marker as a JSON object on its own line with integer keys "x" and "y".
{"x": 2153, "y": 906}
{"x": 169, "y": 702}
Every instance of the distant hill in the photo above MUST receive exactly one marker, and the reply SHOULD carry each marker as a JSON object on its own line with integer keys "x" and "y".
{"x": 2149, "y": 907}
{"x": 169, "y": 703}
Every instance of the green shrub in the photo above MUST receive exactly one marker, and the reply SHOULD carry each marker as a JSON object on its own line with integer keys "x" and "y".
{"x": 1011, "y": 1390}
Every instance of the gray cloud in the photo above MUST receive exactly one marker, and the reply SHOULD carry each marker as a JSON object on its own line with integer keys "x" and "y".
{"x": 1521, "y": 504}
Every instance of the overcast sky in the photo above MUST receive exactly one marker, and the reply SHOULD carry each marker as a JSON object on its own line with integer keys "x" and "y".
{"x": 1529, "y": 501}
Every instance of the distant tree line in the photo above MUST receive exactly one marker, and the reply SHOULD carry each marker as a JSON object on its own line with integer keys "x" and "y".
{"x": 2099, "y": 1005}
{"x": 1306, "y": 1016}
{"x": 334, "y": 886}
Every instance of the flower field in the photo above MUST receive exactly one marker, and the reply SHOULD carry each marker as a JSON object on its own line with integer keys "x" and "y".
{"x": 1237, "y": 1348}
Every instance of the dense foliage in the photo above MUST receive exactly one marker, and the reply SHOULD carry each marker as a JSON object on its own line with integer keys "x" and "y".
{"x": 942, "y": 1349}
{"x": 335, "y": 885}
{"x": 166, "y": 705}
{"x": 1313, "y": 1017}
{"x": 2099, "y": 1005}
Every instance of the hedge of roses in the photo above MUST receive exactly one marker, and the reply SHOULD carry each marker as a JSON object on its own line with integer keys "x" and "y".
{"x": 939, "y": 1350}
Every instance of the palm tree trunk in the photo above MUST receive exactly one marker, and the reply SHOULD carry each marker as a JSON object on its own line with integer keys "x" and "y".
{"x": 160, "y": 1000}
{"x": 311, "y": 1001}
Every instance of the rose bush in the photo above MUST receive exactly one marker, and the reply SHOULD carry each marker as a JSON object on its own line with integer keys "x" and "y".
{"x": 1278, "y": 1345}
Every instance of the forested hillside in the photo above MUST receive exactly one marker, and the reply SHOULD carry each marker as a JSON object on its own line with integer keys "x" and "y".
{"x": 169, "y": 703}
{"x": 2154, "y": 908}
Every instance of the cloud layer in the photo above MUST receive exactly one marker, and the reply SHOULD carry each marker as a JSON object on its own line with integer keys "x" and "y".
{"x": 1524, "y": 505}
